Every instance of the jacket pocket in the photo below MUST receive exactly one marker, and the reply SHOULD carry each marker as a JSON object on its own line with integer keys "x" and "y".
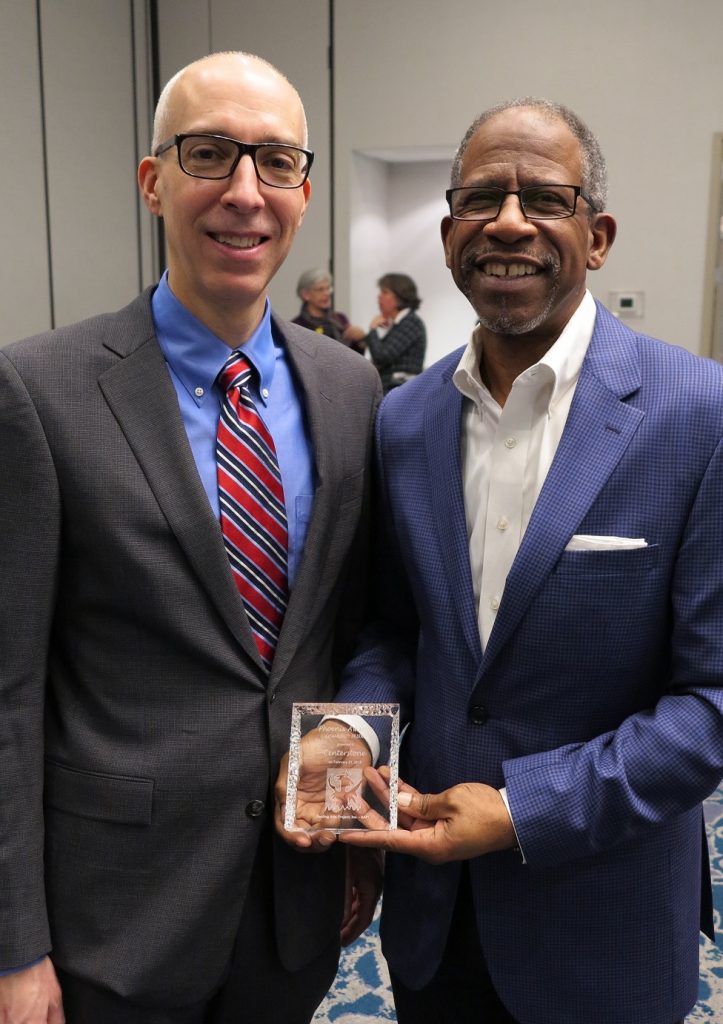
{"x": 114, "y": 798}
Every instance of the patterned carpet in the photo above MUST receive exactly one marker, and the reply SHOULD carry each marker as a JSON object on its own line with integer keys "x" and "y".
{"x": 361, "y": 990}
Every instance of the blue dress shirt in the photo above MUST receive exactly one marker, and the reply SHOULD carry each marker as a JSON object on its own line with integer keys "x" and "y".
{"x": 195, "y": 356}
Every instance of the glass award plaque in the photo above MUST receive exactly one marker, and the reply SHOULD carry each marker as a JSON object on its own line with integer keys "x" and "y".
{"x": 330, "y": 746}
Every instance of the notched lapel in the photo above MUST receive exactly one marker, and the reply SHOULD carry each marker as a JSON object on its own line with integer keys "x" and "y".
{"x": 599, "y": 429}
{"x": 317, "y": 568}
{"x": 442, "y": 432}
{"x": 139, "y": 391}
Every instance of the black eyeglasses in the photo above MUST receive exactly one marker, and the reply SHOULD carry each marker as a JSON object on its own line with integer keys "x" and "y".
{"x": 216, "y": 157}
{"x": 538, "y": 202}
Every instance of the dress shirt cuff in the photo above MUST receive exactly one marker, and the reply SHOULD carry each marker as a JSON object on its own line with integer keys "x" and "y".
{"x": 362, "y": 729}
{"x": 5, "y": 971}
{"x": 503, "y": 794}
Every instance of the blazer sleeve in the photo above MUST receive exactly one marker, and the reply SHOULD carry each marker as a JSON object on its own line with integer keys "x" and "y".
{"x": 30, "y": 532}
{"x": 582, "y": 798}
{"x": 383, "y": 667}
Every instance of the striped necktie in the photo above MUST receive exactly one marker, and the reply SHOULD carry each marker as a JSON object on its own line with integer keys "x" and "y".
{"x": 253, "y": 513}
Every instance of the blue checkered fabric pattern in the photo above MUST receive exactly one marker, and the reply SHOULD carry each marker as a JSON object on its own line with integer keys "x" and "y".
{"x": 602, "y": 685}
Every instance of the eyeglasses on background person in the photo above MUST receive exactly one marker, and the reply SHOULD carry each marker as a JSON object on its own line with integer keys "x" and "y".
{"x": 216, "y": 157}
{"x": 538, "y": 202}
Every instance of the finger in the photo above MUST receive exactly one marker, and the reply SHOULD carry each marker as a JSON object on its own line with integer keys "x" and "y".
{"x": 427, "y": 806}
{"x": 423, "y": 842}
{"x": 404, "y": 820}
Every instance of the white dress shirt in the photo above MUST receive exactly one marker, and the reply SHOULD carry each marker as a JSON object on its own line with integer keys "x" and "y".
{"x": 507, "y": 452}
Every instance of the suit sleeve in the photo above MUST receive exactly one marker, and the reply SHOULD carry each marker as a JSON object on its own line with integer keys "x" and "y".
{"x": 383, "y": 668}
{"x": 580, "y": 799}
{"x": 30, "y": 531}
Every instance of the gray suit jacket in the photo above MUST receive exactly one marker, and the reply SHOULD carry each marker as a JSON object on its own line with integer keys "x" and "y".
{"x": 139, "y": 737}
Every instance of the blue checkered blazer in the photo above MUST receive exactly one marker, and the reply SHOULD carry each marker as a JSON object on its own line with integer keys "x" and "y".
{"x": 602, "y": 684}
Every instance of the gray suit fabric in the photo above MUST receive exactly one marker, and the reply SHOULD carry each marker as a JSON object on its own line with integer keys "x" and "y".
{"x": 139, "y": 735}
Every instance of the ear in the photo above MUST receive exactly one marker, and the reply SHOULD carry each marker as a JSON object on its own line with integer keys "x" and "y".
{"x": 603, "y": 229}
{"x": 147, "y": 183}
{"x": 445, "y": 228}
{"x": 306, "y": 190}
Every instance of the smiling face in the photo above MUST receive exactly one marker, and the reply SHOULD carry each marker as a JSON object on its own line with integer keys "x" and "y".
{"x": 226, "y": 239}
{"x": 525, "y": 278}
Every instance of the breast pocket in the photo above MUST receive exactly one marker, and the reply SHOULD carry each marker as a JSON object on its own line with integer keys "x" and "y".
{"x": 607, "y": 563}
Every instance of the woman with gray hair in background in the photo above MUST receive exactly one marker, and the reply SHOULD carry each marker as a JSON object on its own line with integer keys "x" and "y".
{"x": 315, "y": 289}
{"x": 397, "y": 338}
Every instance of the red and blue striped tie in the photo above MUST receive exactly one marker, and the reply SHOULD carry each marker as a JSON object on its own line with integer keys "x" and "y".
{"x": 253, "y": 513}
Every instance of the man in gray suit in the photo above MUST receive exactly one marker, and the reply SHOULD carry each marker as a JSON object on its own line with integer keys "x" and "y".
{"x": 142, "y": 714}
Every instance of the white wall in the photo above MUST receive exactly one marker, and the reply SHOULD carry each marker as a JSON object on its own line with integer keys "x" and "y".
{"x": 648, "y": 78}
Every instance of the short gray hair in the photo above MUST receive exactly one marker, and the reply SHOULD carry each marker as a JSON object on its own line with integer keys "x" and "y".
{"x": 162, "y": 116}
{"x": 594, "y": 172}
{"x": 311, "y": 278}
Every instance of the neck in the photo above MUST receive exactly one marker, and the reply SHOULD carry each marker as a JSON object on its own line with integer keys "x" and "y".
{"x": 503, "y": 358}
{"x": 233, "y": 323}
{"x": 315, "y": 311}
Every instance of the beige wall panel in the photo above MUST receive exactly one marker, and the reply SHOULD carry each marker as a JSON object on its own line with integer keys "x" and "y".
{"x": 647, "y": 77}
{"x": 294, "y": 37}
{"x": 183, "y": 34}
{"x": 91, "y": 138}
{"x": 190, "y": 28}
{"x": 24, "y": 283}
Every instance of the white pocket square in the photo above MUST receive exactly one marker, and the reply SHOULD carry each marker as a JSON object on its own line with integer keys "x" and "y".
{"x": 589, "y": 542}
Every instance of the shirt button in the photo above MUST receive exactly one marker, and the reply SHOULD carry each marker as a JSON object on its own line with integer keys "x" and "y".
{"x": 199, "y": 392}
{"x": 264, "y": 392}
{"x": 478, "y": 714}
{"x": 255, "y": 808}
{"x": 511, "y": 442}
{"x": 502, "y": 523}
{"x": 495, "y": 603}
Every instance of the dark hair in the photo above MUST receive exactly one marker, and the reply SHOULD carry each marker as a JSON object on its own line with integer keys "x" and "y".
{"x": 403, "y": 288}
{"x": 594, "y": 173}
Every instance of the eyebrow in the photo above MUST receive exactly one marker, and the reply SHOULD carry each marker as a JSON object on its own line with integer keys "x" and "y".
{"x": 272, "y": 140}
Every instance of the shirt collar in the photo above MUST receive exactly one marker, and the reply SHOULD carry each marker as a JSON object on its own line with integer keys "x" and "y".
{"x": 562, "y": 362}
{"x": 196, "y": 355}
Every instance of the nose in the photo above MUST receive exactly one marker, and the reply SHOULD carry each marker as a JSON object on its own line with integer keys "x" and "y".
{"x": 510, "y": 223}
{"x": 242, "y": 188}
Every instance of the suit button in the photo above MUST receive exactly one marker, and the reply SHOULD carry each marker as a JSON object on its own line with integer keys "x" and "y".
{"x": 478, "y": 714}
{"x": 255, "y": 808}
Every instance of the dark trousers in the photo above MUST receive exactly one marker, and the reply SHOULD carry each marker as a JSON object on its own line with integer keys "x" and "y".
{"x": 257, "y": 989}
{"x": 461, "y": 992}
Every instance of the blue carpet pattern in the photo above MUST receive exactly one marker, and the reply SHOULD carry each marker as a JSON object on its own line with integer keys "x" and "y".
{"x": 361, "y": 991}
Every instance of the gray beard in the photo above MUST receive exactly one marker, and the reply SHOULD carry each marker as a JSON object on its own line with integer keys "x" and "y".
{"x": 504, "y": 320}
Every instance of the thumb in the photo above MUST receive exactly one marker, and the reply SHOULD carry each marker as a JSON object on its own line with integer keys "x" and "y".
{"x": 427, "y": 806}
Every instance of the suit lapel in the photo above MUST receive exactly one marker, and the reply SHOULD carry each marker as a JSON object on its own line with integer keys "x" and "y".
{"x": 311, "y": 586}
{"x": 139, "y": 391}
{"x": 599, "y": 428}
{"x": 442, "y": 429}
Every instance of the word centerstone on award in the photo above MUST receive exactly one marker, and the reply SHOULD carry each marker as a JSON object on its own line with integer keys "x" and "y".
{"x": 330, "y": 746}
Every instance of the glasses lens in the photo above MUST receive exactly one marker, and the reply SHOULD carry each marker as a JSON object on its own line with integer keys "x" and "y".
{"x": 476, "y": 203}
{"x": 548, "y": 202}
{"x": 205, "y": 157}
{"x": 282, "y": 166}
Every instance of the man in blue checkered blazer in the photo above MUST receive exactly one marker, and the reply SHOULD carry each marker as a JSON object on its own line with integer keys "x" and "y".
{"x": 549, "y": 614}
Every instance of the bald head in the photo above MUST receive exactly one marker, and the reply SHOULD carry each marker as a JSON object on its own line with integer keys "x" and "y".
{"x": 253, "y": 70}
